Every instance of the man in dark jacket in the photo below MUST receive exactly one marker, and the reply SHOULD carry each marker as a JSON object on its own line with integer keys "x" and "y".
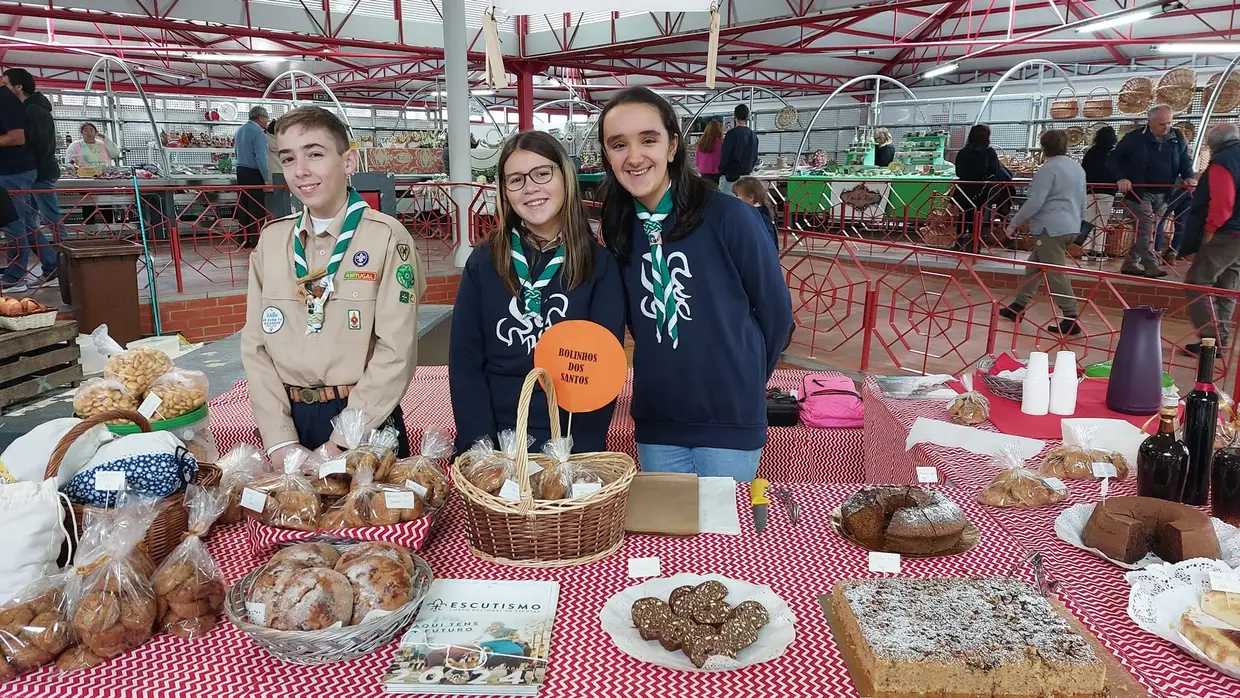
{"x": 739, "y": 153}
{"x": 1149, "y": 161}
{"x": 1215, "y": 222}
{"x": 41, "y": 137}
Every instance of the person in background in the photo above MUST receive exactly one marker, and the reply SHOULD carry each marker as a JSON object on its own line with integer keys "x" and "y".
{"x": 338, "y": 271}
{"x": 1054, "y": 210}
{"x": 41, "y": 135}
{"x": 250, "y": 146}
{"x": 752, "y": 192}
{"x": 884, "y": 148}
{"x": 706, "y": 155}
{"x": 739, "y": 153}
{"x": 979, "y": 174}
{"x": 708, "y": 309}
{"x": 273, "y": 151}
{"x": 18, "y": 171}
{"x": 541, "y": 267}
{"x": 1100, "y": 192}
{"x": 1175, "y": 219}
{"x": 1214, "y": 223}
{"x": 1149, "y": 161}
{"x": 92, "y": 149}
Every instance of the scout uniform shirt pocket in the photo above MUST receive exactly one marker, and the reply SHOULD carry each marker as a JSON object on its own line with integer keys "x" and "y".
{"x": 354, "y": 302}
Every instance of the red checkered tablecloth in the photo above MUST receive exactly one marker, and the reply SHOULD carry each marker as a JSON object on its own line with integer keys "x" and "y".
{"x": 1094, "y": 589}
{"x": 792, "y": 454}
{"x": 798, "y": 562}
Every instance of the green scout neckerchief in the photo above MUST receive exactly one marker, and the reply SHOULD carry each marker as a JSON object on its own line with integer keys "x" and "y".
{"x": 661, "y": 277}
{"x": 532, "y": 290}
{"x": 318, "y": 293}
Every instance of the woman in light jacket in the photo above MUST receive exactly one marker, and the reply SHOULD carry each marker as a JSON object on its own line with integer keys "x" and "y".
{"x": 1054, "y": 210}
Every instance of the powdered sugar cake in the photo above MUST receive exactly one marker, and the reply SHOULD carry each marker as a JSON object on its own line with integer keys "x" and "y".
{"x": 962, "y": 637}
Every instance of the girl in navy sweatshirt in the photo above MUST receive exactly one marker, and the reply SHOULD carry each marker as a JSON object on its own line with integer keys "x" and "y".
{"x": 707, "y": 305}
{"x": 541, "y": 265}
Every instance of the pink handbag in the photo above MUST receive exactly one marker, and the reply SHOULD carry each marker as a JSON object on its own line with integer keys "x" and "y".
{"x": 831, "y": 401}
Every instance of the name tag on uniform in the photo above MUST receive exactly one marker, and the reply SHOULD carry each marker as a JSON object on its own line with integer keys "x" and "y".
{"x": 361, "y": 276}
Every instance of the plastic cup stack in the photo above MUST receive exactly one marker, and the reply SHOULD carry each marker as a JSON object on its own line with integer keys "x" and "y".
{"x": 1036, "y": 397}
{"x": 1063, "y": 384}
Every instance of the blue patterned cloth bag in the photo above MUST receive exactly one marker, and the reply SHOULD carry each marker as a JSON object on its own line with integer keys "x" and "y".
{"x": 155, "y": 464}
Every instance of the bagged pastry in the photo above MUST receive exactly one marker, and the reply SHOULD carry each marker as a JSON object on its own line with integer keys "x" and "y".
{"x": 490, "y": 469}
{"x": 1082, "y": 461}
{"x": 970, "y": 407}
{"x": 378, "y": 453}
{"x": 423, "y": 473}
{"x": 181, "y": 391}
{"x": 564, "y": 479}
{"x": 137, "y": 368}
{"x": 34, "y": 627}
{"x": 132, "y": 511}
{"x": 1017, "y": 486}
{"x": 373, "y": 503}
{"x": 286, "y": 499}
{"x": 189, "y": 586}
{"x": 1228, "y": 422}
{"x": 239, "y": 467}
{"x": 99, "y": 395}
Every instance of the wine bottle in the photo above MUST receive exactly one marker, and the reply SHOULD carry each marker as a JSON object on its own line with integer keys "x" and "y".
{"x": 1162, "y": 460}
{"x": 1225, "y": 481}
{"x": 1200, "y": 421}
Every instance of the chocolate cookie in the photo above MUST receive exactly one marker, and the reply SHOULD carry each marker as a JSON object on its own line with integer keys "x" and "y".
{"x": 644, "y": 607}
{"x": 735, "y": 635}
{"x": 712, "y": 590}
{"x": 715, "y": 613}
{"x": 686, "y": 604}
{"x": 679, "y": 592}
{"x": 672, "y": 631}
{"x": 698, "y": 644}
{"x": 753, "y": 612}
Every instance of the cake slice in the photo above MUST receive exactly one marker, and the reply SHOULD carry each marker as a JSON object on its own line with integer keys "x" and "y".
{"x": 1218, "y": 643}
{"x": 1223, "y": 605}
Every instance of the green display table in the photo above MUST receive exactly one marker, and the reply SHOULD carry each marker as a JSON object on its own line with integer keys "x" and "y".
{"x": 909, "y": 195}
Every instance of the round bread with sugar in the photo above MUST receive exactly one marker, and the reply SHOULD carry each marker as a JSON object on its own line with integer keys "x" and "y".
{"x": 380, "y": 548}
{"x": 304, "y": 555}
{"x": 312, "y": 599}
{"x": 379, "y": 584}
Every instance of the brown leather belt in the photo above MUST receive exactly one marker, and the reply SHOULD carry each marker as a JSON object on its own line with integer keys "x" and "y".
{"x": 310, "y": 396}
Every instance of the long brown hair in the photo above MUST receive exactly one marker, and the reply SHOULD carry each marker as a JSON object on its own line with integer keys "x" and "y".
{"x": 710, "y": 137}
{"x": 574, "y": 225}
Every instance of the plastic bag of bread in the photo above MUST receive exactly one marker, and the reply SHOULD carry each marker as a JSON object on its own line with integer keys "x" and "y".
{"x": 285, "y": 499}
{"x": 137, "y": 368}
{"x": 1228, "y": 421}
{"x": 565, "y": 479}
{"x": 378, "y": 453}
{"x": 970, "y": 407}
{"x": 99, "y": 395}
{"x": 239, "y": 467}
{"x": 490, "y": 470}
{"x": 332, "y": 470}
{"x": 423, "y": 473}
{"x": 1017, "y": 486}
{"x": 34, "y": 627}
{"x": 111, "y": 604}
{"x": 131, "y": 512}
{"x": 1081, "y": 461}
{"x": 181, "y": 391}
{"x": 373, "y": 503}
{"x": 189, "y": 585}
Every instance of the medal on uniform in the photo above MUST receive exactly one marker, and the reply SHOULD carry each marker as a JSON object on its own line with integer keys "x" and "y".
{"x": 317, "y": 287}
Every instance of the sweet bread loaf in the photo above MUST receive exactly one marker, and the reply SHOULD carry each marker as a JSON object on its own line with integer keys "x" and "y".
{"x": 380, "y": 548}
{"x": 379, "y": 584}
{"x": 311, "y": 599}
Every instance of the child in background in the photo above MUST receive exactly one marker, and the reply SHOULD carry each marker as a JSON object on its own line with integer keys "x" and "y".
{"x": 752, "y": 192}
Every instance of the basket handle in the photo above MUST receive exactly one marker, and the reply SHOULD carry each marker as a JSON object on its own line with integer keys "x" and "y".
{"x": 1105, "y": 91}
{"x": 66, "y": 441}
{"x": 533, "y": 378}
{"x": 1069, "y": 90}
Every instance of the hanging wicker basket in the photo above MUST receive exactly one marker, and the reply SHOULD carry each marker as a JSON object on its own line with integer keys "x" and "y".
{"x": 547, "y": 533}
{"x": 1126, "y": 129}
{"x": 1064, "y": 108}
{"x": 1187, "y": 129}
{"x": 1076, "y": 136}
{"x": 1099, "y": 104}
{"x": 1176, "y": 88}
{"x": 1119, "y": 239}
{"x": 1136, "y": 96}
{"x": 1228, "y": 96}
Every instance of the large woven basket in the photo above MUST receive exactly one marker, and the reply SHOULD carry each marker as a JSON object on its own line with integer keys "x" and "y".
{"x": 1135, "y": 96}
{"x": 1099, "y": 104}
{"x": 33, "y": 321}
{"x": 1064, "y": 108}
{"x": 542, "y": 533}
{"x": 334, "y": 644}
{"x": 1229, "y": 94}
{"x": 1002, "y": 387}
{"x": 1119, "y": 238}
{"x": 1186, "y": 127}
{"x": 1176, "y": 88}
{"x": 172, "y": 521}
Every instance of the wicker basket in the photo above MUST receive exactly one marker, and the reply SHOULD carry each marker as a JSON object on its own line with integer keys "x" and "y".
{"x": 1001, "y": 387}
{"x": 1064, "y": 108}
{"x": 1136, "y": 95}
{"x": 1186, "y": 128}
{"x": 1119, "y": 238}
{"x": 1229, "y": 96}
{"x": 541, "y": 533}
{"x": 335, "y": 644}
{"x": 1176, "y": 88}
{"x": 172, "y": 521}
{"x": 1099, "y": 106}
{"x": 33, "y": 321}
{"x": 1076, "y": 136}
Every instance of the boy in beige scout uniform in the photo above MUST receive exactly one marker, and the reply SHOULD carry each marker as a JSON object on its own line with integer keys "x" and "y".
{"x": 332, "y": 307}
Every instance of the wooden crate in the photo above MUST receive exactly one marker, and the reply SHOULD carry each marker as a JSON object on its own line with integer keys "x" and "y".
{"x": 33, "y": 362}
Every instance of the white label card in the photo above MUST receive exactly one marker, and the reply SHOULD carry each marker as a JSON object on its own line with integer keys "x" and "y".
{"x": 1055, "y": 484}
{"x": 415, "y": 488}
{"x": 640, "y": 567}
{"x": 253, "y": 500}
{"x": 1225, "y": 581}
{"x": 927, "y": 474}
{"x": 1106, "y": 487}
{"x": 110, "y": 480}
{"x": 885, "y": 563}
{"x": 1105, "y": 470}
{"x": 581, "y": 489}
{"x": 400, "y": 500}
{"x": 375, "y": 613}
{"x": 510, "y": 491}
{"x": 333, "y": 467}
{"x": 257, "y": 612}
{"x": 149, "y": 405}
{"x": 533, "y": 469}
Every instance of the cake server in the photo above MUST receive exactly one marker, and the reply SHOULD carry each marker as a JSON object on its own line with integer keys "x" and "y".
{"x": 757, "y": 497}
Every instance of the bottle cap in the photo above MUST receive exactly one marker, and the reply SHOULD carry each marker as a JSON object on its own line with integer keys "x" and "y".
{"x": 1169, "y": 411}
{"x": 1207, "y": 341}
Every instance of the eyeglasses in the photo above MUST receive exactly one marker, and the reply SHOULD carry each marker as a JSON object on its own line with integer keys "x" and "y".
{"x": 515, "y": 181}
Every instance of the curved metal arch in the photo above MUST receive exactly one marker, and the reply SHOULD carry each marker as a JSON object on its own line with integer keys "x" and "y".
{"x": 730, "y": 90}
{"x": 485, "y": 109}
{"x": 1208, "y": 112}
{"x": 569, "y": 100}
{"x": 292, "y": 75}
{"x": 150, "y": 115}
{"x": 405, "y": 107}
{"x": 833, "y": 95}
{"x": 1020, "y": 66}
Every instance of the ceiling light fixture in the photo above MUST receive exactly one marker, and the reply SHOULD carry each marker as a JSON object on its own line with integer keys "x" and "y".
{"x": 1117, "y": 21}
{"x": 1211, "y": 47}
{"x": 938, "y": 70}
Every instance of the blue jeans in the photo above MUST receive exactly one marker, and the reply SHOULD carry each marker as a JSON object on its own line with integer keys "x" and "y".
{"x": 741, "y": 466}
{"x": 19, "y": 231}
{"x": 48, "y": 207}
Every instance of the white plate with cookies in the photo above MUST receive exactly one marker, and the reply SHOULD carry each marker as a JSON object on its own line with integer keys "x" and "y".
{"x": 727, "y": 612}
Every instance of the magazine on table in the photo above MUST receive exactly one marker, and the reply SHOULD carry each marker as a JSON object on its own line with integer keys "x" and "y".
{"x": 477, "y": 637}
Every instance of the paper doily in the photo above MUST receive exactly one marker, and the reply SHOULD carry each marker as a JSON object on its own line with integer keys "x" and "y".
{"x": 1161, "y": 593}
{"x": 773, "y": 639}
{"x": 1070, "y": 527}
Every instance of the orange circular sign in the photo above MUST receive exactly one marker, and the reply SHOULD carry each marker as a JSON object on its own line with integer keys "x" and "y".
{"x": 586, "y": 363}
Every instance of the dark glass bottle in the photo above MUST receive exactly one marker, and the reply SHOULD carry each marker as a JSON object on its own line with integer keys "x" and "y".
{"x": 1200, "y": 421}
{"x": 1162, "y": 460}
{"x": 1225, "y": 483}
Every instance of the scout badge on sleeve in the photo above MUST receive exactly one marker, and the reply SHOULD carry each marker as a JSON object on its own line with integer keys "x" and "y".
{"x": 316, "y": 288}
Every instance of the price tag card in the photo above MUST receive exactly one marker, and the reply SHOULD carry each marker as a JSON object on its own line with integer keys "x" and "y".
{"x": 253, "y": 500}
{"x": 149, "y": 405}
{"x": 885, "y": 563}
{"x": 416, "y": 488}
{"x": 257, "y": 612}
{"x": 582, "y": 489}
{"x": 1225, "y": 581}
{"x": 110, "y": 480}
{"x": 1055, "y": 484}
{"x": 510, "y": 491}
{"x": 1105, "y": 470}
{"x": 1106, "y": 487}
{"x": 927, "y": 474}
{"x": 400, "y": 500}
{"x": 375, "y": 613}
{"x": 333, "y": 467}
{"x": 533, "y": 469}
{"x": 640, "y": 567}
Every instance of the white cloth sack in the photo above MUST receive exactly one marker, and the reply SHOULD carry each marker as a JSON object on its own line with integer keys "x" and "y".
{"x": 34, "y": 531}
{"x": 26, "y": 458}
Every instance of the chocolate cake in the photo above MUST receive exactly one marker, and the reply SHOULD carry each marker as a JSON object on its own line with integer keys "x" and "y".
{"x": 1127, "y": 528}
{"x": 902, "y": 519}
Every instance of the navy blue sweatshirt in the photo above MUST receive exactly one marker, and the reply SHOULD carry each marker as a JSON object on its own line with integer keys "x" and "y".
{"x": 735, "y": 313}
{"x": 492, "y": 348}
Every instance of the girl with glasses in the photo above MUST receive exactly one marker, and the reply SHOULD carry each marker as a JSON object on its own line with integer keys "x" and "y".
{"x": 708, "y": 308}
{"x": 541, "y": 266}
